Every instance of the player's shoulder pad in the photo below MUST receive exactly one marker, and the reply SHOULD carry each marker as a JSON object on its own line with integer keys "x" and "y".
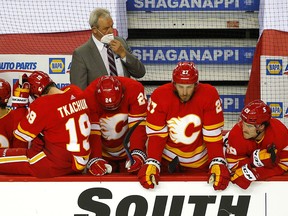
{"x": 131, "y": 84}
{"x": 163, "y": 93}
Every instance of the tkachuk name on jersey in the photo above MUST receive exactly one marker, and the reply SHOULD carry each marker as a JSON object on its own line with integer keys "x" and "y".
{"x": 73, "y": 107}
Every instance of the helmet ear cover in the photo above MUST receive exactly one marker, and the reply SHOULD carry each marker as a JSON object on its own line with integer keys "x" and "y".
{"x": 109, "y": 92}
{"x": 185, "y": 73}
{"x": 5, "y": 91}
{"x": 256, "y": 113}
{"x": 38, "y": 81}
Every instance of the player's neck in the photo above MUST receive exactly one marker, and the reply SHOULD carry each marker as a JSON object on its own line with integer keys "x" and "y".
{"x": 260, "y": 137}
{"x": 55, "y": 90}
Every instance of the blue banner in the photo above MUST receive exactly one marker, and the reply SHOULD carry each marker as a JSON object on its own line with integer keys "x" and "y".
{"x": 193, "y": 5}
{"x": 232, "y": 103}
{"x": 199, "y": 55}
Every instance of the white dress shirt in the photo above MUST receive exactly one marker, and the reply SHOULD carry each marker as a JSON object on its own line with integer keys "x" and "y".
{"x": 103, "y": 52}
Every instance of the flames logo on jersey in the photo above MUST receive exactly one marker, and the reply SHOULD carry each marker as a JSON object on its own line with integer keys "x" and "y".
{"x": 178, "y": 129}
{"x": 112, "y": 127}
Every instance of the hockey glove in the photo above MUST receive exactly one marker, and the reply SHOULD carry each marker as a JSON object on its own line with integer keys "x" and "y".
{"x": 243, "y": 176}
{"x": 21, "y": 89}
{"x": 219, "y": 174}
{"x": 99, "y": 166}
{"x": 265, "y": 157}
{"x": 139, "y": 158}
{"x": 149, "y": 173}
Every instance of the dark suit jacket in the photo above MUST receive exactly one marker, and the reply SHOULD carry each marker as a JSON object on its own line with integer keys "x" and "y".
{"x": 87, "y": 64}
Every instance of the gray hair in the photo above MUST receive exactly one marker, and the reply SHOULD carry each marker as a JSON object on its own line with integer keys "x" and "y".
{"x": 96, "y": 14}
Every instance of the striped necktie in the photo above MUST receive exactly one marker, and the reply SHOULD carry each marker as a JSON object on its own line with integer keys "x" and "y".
{"x": 111, "y": 60}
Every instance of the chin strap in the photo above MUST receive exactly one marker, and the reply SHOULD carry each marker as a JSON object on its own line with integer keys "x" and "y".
{"x": 257, "y": 131}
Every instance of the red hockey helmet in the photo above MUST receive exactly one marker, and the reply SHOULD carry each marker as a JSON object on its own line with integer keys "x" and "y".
{"x": 5, "y": 91}
{"x": 185, "y": 73}
{"x": 109, "y": 92}
{"x": 256, "y": 113}
{"x": 38, "y": 81}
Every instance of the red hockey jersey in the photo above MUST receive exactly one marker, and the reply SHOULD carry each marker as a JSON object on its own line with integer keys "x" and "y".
{"x": 63, "y": 120}
{"x": 8, "y": 124}
{"x": 109, "y": 127}
{"x": 192, "y": 130}
{"x": 239, "y": 150}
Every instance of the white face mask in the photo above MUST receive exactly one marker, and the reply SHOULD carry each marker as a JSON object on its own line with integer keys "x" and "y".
{"x": 106, "y": 39}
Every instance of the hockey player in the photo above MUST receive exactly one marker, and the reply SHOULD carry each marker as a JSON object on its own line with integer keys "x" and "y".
{"x": 257, "y": 146}
{"x": 58, "y": 126}
{"x": 9, "y": 118}
{"x": 116, "y": 104}
{"x": 185, "y": 121}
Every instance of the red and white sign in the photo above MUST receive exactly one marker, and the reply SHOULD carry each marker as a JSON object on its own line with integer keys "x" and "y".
{"x": 122, "y": 195}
